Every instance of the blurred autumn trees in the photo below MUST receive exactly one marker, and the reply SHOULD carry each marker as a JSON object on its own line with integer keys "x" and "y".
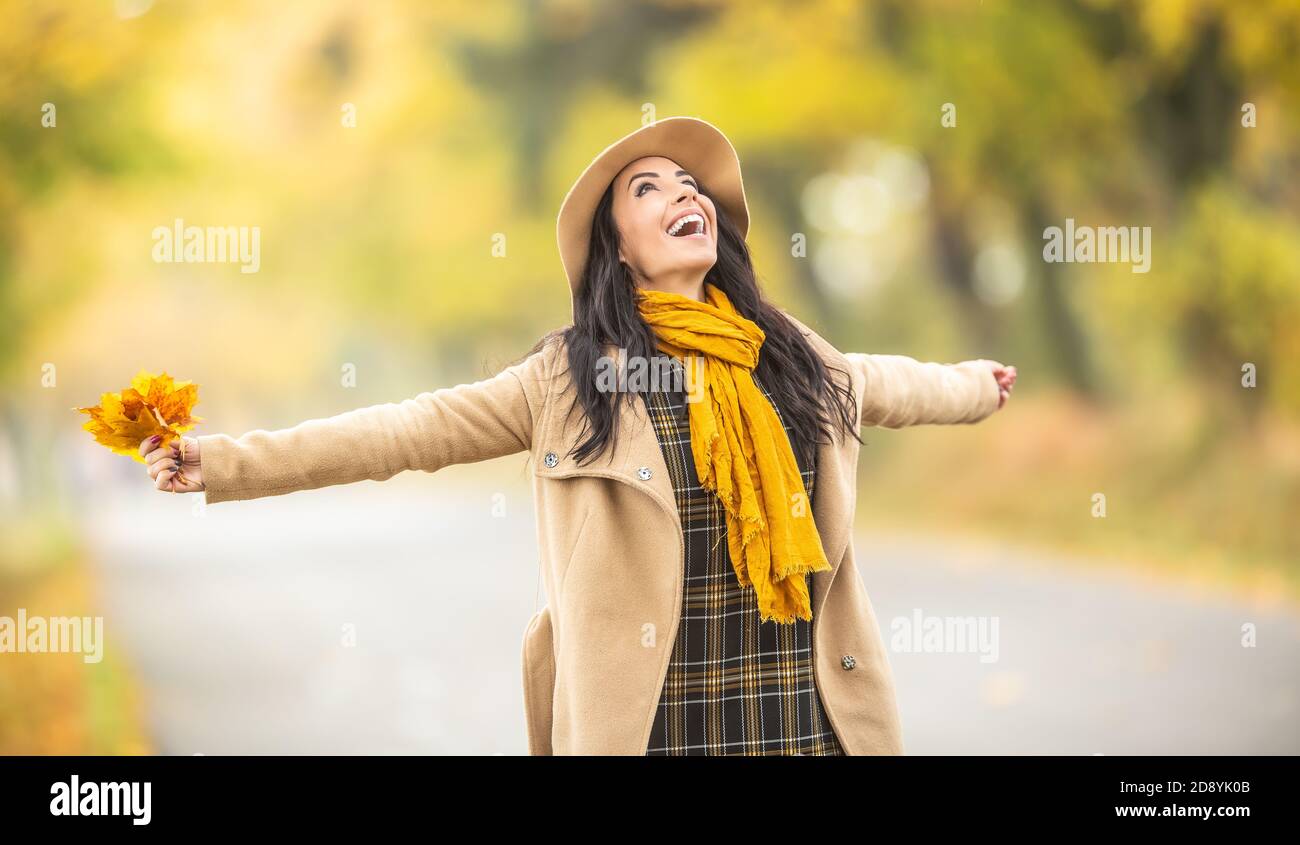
{"x": 473, "y": 119}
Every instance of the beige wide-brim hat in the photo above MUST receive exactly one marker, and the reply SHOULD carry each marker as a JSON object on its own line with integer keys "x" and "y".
{"x": 697, "y": 145}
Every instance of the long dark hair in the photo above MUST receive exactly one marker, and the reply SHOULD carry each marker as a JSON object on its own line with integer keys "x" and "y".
{"x": 812, "y": 403}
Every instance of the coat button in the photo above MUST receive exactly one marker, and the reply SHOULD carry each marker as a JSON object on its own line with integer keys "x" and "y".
{"x": 551, "y": 459}
{"x": 848, "y": 662}
{"x": 644, "y": 473}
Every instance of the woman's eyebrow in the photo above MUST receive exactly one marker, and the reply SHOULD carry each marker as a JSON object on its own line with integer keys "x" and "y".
{"x": 636, "y": 176}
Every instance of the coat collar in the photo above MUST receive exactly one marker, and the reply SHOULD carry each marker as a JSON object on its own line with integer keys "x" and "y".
{"x": 636, "y": 453}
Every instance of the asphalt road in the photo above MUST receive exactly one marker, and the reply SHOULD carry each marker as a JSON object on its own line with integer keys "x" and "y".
{"x": 387, "y": 618}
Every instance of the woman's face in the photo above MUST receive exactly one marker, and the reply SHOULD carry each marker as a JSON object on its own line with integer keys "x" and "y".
{"x": 667, "y": 228}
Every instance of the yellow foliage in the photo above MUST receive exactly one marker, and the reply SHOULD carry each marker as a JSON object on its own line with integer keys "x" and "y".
{"x": 153, "y": 404}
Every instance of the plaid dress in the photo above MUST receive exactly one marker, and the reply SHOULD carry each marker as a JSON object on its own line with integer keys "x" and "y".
{"x": 734, "y": 686}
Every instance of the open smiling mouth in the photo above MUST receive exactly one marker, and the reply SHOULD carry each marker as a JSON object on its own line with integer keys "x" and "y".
{"x": 690, "y": 226}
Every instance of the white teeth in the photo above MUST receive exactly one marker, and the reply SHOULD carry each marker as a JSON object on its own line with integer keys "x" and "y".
{"x": 677, "y": 227}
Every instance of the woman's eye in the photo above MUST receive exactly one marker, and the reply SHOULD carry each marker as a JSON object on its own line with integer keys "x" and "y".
{"x": 638, "y": 191}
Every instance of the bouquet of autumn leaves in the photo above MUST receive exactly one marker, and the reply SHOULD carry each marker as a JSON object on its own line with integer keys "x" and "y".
{"x": 154, "y": 405}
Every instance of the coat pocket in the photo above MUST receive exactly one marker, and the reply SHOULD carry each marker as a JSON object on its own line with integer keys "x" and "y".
{"x": 539, "y": 682}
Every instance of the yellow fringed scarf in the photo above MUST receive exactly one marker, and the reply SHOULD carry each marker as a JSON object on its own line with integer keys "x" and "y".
{"x": 741, "y": 451}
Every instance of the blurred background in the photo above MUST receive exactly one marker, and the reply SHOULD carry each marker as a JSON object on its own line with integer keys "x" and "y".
{"x": 404, "y": 163}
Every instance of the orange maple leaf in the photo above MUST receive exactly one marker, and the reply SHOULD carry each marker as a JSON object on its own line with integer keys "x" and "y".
{"x": 153, "y": 404}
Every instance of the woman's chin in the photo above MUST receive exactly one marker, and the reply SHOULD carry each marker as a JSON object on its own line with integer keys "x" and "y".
{"x": 701, "y": 266}
{"x": 695, "y": 256}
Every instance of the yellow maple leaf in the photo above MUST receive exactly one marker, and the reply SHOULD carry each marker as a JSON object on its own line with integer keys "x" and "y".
{"x": 153, "y": 404}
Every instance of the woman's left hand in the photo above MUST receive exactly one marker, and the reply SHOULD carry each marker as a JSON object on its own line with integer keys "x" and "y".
{"x": 1006, "y": 377}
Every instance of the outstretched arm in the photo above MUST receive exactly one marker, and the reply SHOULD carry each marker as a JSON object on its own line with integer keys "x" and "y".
{"x": 455, "y": 425}
{"x": 901, "y": 391}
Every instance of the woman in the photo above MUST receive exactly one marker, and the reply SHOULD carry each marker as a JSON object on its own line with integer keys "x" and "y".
{"x": 694, "y": 527}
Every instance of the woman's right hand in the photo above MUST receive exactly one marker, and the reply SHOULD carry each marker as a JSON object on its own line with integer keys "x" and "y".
{"x": 161, "y": 462}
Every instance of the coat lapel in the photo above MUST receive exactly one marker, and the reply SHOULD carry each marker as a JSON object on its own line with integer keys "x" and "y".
{"x": 834, "y": 493}
{"x": 636, "y": 446}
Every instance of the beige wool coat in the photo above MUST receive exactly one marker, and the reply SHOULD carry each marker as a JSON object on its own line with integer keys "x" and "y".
{"x": 609, "y": 535}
